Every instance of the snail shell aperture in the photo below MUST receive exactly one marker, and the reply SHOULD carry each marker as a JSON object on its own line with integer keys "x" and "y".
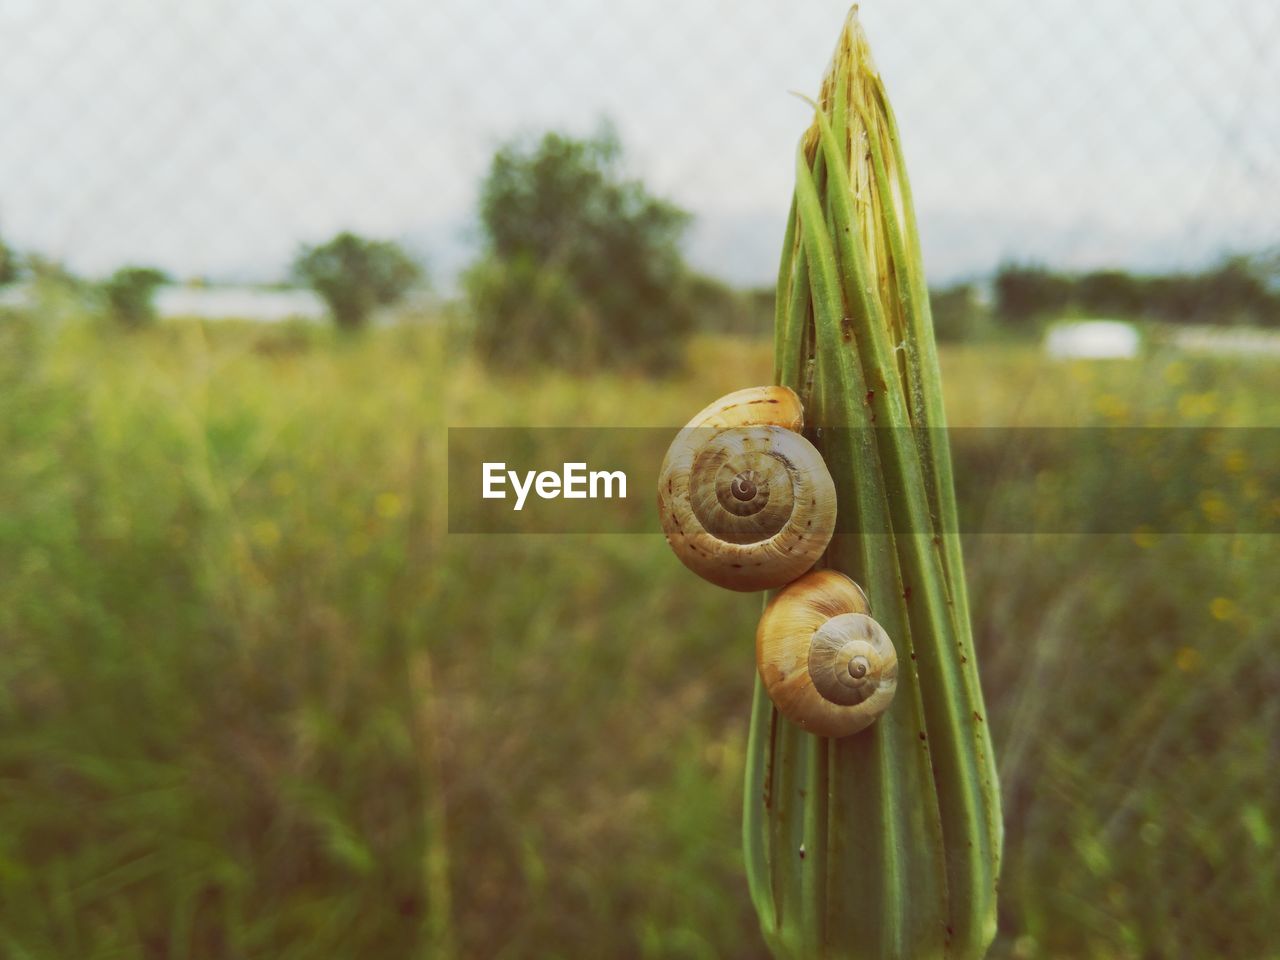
{"x": 746, "y": 501}
{"x": 826, "y": 665}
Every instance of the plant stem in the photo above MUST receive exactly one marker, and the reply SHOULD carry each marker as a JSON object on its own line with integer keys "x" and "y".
{"x": 885, "y": 844}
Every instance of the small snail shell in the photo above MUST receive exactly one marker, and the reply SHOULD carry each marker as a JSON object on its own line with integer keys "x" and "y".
{"x": 825, "y": 664}
{"x": 745, "y": 501}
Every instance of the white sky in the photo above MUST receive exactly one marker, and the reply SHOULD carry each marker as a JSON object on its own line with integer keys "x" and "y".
{"x": 212, "y": 136}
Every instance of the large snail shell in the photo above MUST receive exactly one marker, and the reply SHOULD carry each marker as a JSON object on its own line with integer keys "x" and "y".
{"x": 745, "y": 501}
{"x": 825, "y": 664}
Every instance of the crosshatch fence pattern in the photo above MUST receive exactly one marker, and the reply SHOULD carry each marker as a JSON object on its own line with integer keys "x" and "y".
{"x": 212, "y": 138}
{"x": 252, "y": 703}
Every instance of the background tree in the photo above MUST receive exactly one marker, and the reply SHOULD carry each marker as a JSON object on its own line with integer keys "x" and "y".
{"x": 957, "y": 313}
{"x": 582, "y": 267}
{"x": 353, "y": 275}
{"x": 1111, "y": 293}
{"x": 722, "y": 308}
{"x": 1237, "y": 291}
{"x": 1027, "y": 293}
{"x": 8, "y": 264}
{"x": 130, "y": 295}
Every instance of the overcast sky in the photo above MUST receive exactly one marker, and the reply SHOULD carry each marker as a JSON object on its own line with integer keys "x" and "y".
{"x": 213, "y": 136}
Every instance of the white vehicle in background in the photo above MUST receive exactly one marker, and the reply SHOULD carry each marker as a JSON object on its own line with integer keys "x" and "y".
{"x": 1093, "y": 339}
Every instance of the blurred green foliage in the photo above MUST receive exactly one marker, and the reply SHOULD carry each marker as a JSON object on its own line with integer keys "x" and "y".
{"x": 1238, "y": 290}
{"x": 957, "y": 313}
{"x": 8, "y": 264}
{"x": 582, "y": 267}
{"x": 355, "y": 275}
{"x": 720, "y": 308}
{"x": 256, "y": 701}
{"x": 130, "y": 295}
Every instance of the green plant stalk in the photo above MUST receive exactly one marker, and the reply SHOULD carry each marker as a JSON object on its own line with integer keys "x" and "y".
{"x": 885, "y": 844}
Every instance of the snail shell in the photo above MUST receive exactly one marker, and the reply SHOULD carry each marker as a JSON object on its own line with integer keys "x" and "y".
{"x": 745, "y": 501}
{"x": 826, "y": 665}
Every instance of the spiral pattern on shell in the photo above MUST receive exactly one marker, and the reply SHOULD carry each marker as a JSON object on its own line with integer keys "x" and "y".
{"x": 746, "y": 501}
{"x": 825, "y": 663}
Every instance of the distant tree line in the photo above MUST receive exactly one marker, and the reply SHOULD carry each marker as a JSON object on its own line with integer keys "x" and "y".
{"x": 353, "y": 275}
{"x": 1238, "y": 290}
{"x": 581, "y": 267}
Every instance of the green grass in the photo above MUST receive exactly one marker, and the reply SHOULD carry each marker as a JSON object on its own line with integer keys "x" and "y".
{"x": 255, "y": 702}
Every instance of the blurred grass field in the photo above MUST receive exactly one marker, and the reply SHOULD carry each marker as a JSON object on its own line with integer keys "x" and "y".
{"x": 256, "y": 702}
